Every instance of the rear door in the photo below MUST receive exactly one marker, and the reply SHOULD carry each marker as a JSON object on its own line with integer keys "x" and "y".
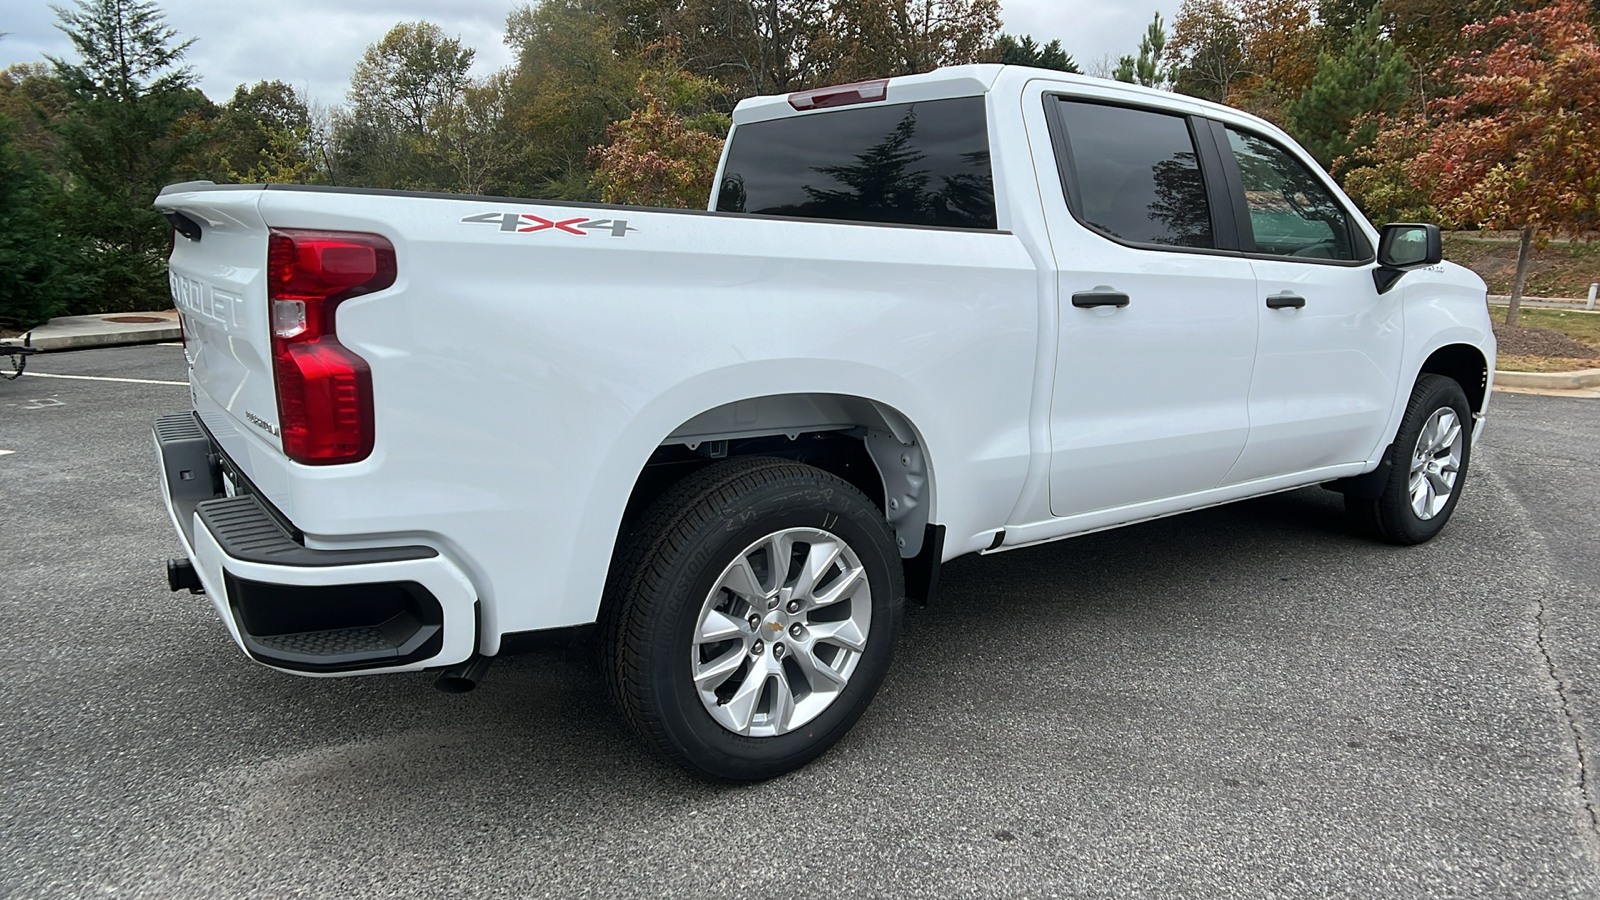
{"x": 1157, "y": 331}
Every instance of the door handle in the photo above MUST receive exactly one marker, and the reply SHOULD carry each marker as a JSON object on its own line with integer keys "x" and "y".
{"x": 1100, "y": 296}
{"x": 1286, "y": 300}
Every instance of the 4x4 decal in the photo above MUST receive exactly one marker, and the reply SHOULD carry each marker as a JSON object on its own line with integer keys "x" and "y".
{"x": 528, "y": 222}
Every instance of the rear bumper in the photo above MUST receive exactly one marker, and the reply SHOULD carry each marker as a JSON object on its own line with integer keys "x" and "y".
{"x": 308, "y": 611}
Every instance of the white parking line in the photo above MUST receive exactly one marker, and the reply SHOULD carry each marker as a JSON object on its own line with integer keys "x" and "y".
{"x": 103, "y": 378}
{"x": 6, "y": 452}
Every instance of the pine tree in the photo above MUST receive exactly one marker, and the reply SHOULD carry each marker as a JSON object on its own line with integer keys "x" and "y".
{"x": 1025, "y": 51}
{"x": 123, "y": 136}
{"x": 1365, "y": 76}
{"x": 1147, "y": 68}
{"x": 40, "y": 264}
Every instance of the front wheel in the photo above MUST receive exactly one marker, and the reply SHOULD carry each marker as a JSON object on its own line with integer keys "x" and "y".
{"x": 752, "y": 617}
{"x": 1427, "y": 467}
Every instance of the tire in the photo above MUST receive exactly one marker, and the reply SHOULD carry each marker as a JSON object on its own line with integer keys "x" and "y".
{"x": 1427, "y": 466}
{"x": 720, "y": 666}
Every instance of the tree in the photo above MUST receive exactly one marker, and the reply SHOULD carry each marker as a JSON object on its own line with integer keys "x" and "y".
{"x": 41, "y": 263}
{"x": 1364, "y": 76}
{"x": 1206, "y": 51}
{"x": 1431, "y": 31}
{"x": 751, "y": 46}
{"x": 666, "y": 152}
{"x": 35, "y": 101}
{"x": 1340, "y": 17}
{"x": 1152, "y": 47}
{"x": 132, "y": 117}
{"x": 1025, "y": 51}
{"x": 1518, "y": 145}
{"x": 264, "y": 134}
{"x": 883, "y": 38}
{"x": 576, "y": 73}
{"x": 410, "y": 76}
{"x": 403, "y": 92}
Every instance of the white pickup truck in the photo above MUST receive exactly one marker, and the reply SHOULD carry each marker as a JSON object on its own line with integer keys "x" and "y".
{"x": 953, "y": 313}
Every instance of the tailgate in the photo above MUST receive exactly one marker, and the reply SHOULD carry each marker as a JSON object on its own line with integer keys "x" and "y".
{"x": 219, "y": 288}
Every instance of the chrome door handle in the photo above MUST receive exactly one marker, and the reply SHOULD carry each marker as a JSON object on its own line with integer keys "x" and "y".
{"x": 1286, "y": 300}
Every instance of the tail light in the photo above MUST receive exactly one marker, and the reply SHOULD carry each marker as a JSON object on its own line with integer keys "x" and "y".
{"x": 324, "y": 390}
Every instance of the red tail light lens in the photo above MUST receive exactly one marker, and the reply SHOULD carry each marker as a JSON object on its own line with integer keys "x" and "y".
{"x": 324, "y": 390}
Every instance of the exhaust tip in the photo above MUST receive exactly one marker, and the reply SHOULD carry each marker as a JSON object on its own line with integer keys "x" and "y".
{"x": 182, "y": 576}
{"x": 463, "y": 677}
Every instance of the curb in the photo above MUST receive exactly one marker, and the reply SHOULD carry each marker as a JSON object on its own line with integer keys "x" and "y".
{"x": 47, "y": 344}
{"x": 1579, "y": 303}
{"x": 1549, "y": 381}
{"x": 85, "y": 332}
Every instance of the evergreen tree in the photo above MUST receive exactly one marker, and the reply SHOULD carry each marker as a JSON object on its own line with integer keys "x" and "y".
{"x": 1025, "y": 51}
{"x": 41, "y": 263}
{"x": 124, "y": 134}
{"x": 1364, "y": 77}
{"x": 1147, "y": 68}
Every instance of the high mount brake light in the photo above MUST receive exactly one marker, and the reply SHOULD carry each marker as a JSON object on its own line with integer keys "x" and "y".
{"x": 324, "y": 390}
{"x": 841, "y": 95}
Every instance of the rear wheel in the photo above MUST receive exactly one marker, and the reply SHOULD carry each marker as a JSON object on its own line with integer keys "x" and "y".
{"x": 752, "y": 617}
{"x": 1427, "y": 467}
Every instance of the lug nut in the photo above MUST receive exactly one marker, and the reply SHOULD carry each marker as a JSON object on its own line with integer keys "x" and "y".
{"x": 794, "y": 607}
{"x": 755, "y": 622}
{"x": 777, "y": 651}
{"x": 795, "y": 630}
{"x": 758, "y": 649}
{"x": 773, "y": 603}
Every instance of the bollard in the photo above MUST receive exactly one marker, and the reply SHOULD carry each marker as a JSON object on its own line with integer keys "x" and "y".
{"x": 1593, "y": 289}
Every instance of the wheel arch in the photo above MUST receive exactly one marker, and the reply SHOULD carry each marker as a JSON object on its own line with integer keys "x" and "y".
{"x": 1466, "y": 365}
{"x": 865, "y": 441}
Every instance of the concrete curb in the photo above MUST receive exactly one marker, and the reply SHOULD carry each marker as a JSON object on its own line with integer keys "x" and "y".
{"x": 1549, "y": 381}
{"x": 84, "y": 332}
{"x": 1568, "y": 303}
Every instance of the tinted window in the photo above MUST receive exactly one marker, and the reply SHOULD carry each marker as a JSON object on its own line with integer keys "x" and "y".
{"x": 1138, "y": 178}
{"x": 910, "y": 163}
{"x": 1291, "y": 212}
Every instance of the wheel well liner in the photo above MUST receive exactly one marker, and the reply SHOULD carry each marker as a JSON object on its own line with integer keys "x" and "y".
{"x": 1466, "y": 365}
{"x": 866, "y": 443}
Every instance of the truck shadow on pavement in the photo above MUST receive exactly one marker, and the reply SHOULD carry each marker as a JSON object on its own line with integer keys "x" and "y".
{"x": 546, "y": 716}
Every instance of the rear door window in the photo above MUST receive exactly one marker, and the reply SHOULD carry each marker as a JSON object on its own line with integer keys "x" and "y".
{"x": 1135, "y": 175}
{"x": 923, "y": 163}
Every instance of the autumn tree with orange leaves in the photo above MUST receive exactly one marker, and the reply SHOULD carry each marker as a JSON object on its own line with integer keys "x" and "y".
{"x": 1257, "y": 55}
{"x": 1518, "y": 146}
{"x": 666, "y": 152}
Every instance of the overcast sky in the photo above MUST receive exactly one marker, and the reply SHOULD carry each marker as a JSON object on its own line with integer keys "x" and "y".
{"x": 314, "y": 44}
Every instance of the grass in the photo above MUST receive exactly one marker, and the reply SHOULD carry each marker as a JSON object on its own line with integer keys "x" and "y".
{"x": 1580, "y": 326}
{"x": 1506, "y": 362}
{"x": 1561, "y": 269}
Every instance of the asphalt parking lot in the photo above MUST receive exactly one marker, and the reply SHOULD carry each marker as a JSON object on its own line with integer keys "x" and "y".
{"x": 1243, "y": 702}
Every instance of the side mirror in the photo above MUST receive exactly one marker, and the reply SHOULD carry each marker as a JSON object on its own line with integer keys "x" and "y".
{"x": 1402, "y": 248}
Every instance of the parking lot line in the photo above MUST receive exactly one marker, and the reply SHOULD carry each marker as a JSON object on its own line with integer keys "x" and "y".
{"x": 104, "y": 378}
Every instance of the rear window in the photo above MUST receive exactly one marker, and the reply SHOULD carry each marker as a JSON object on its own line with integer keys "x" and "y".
{"x": 921, "y": 163}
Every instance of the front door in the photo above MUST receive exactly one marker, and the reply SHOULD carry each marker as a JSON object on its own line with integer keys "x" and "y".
{"x": 1330, "y": 346}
